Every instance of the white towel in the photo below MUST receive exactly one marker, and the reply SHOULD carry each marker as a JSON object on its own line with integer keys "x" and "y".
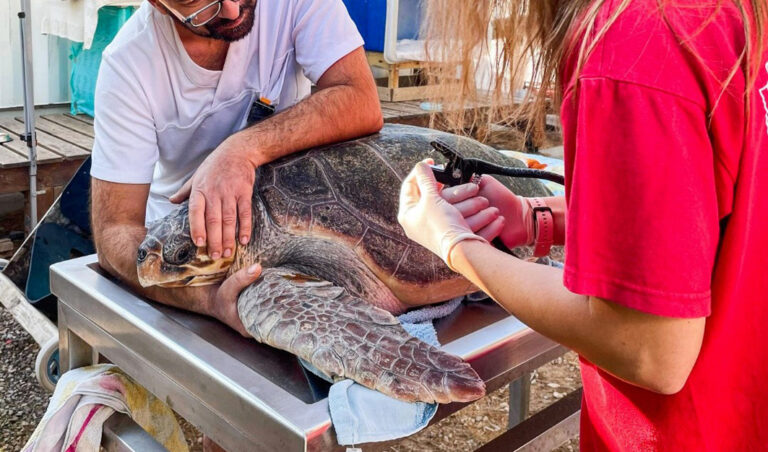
{"x": 362, "y": 415}
{"x": 75, "y": 20}
{"x": 84, "y": 398}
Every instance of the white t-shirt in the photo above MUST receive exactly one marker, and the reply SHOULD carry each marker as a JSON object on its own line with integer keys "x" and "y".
{"x": 159, "y": 114}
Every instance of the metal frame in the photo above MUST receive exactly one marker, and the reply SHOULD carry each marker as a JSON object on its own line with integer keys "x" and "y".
{"x": 29, "y": 106}
{"x": 205, "y": 372}
{"x": 122, "y": 434}
{"x": 544, "y": 431}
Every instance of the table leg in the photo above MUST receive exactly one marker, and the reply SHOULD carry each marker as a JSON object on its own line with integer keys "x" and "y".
{"x": 519, "y": 399}
{"x": 73, "y": 351}
{"x": 122, "y": 434}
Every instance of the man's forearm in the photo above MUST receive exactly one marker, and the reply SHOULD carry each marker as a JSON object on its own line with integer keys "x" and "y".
{"x": 333, "y": 114}
{"x": 117, "y": 255}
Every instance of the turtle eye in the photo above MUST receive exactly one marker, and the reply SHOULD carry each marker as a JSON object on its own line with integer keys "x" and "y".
{"x": 142, "y": 255}
{"x": 183, "y": 254}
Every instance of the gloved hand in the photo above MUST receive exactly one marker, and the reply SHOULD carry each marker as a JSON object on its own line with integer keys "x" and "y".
{"x": 483, "y": 219}
{"x": 427, "y": 218}
{"x": 519, "y": 228}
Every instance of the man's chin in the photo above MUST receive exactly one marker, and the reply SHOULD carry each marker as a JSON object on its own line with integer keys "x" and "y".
{"x": 233, "y": 33}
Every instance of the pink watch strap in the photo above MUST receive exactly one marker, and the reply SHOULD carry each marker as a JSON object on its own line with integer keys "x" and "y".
{"x": 543, "y": 226}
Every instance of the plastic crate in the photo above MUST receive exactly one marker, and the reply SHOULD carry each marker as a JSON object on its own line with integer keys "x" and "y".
{"x": 370, "y": 16}
{"x": 85, "y": 63}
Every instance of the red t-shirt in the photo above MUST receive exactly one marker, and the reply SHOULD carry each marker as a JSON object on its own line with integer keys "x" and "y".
{"x": 668, "y": 214}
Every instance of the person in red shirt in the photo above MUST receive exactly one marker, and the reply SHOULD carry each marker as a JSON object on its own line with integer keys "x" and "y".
{"x": 663, "y": 294}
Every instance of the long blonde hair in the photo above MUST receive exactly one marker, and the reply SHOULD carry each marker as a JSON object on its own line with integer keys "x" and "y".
{"x": 531, "y": 38}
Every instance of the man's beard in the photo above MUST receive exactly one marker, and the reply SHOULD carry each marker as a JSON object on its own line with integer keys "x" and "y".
{"x": 220, "y": 28}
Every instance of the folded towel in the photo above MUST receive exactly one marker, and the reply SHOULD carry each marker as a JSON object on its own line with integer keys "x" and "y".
{"x": 84, "y": 398}
{"x": 362, "y": 415}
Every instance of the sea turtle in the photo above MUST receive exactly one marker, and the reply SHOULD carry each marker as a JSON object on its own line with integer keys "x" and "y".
{"x": 337, "y": 264}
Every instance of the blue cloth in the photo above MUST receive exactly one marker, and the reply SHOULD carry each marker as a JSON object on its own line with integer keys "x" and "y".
{"x": 362, "y": 415}
{"x": 86, "y": 62}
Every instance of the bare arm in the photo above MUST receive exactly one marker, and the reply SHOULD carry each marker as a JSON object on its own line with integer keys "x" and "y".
{"x": 346, "y": 106}
{"x": 653, "y": 352}
{"x": 117, "y": 221}
{"x": 118, "y": 230}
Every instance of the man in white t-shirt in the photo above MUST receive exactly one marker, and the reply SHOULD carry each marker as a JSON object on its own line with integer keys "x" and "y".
{"x": 176, "y": 89}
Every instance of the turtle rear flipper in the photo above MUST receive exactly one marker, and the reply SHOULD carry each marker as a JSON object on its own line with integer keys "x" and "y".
{"x": 345, "y": 337}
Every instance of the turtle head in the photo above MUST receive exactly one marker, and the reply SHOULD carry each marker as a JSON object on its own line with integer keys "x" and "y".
{"x": 169, "y": 258}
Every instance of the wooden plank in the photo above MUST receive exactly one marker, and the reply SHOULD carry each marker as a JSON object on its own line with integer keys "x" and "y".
{"x": 63, "y": 133}
{"x": 385, "y": 94}
{"x": 48, "y": 175}
{"x": 376, "y": 59}
{"x": 406, "y": 109}
{"x": 413, "y": 105}
{"x": 33, "y": 321}
{"x": 413, "y": 93}
{"x": 394, "y": 106}
{"x": 84, "y": 118}
{"x": 385, "y": 109}
{"x": 10, "y": 159}
{"x": 59, "y": 146}
{"x": 48, "y": 141}
{"x": 408, "y": 115}
{"x": 388, "y": 115}
{"x": 43, "y": 154}
{"x": 71, "y": 123}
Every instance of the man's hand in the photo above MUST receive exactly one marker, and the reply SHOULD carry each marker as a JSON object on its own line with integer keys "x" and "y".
{"x": 223, "y": 298}
{"x": 219, "y": 195}
{"x": 220, "y": 190}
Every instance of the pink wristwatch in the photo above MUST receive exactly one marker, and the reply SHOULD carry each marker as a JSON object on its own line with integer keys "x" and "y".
{"x": 543, "y": 227}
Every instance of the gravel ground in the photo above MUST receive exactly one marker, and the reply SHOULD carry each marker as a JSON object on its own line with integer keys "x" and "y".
{"x": 23, "y": 401}
{"x": 485, "y": 420}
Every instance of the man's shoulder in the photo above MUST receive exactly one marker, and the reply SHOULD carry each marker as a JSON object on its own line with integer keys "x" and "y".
{"x": 136, "y": 41}
{"x": 288, "y": 12}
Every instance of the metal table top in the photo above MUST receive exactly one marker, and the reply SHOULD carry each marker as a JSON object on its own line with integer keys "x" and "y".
{"x": 245, "y": 395}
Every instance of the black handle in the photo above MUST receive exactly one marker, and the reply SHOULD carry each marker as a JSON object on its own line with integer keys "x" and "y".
{"x": 499, "y": 244}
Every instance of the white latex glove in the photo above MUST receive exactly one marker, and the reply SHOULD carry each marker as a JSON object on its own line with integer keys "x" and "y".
{"x": 519, "y": 226}
{"x": 427, "y": 218}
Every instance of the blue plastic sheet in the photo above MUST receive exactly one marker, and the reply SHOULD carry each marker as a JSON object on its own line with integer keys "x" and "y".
{"x": 370, "y": 16}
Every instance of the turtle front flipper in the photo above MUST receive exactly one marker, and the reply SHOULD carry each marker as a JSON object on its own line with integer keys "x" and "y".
{"x": 345, "y": 337}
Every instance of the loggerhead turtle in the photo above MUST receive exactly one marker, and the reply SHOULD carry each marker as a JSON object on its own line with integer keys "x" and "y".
{"x": 337, "y": 264}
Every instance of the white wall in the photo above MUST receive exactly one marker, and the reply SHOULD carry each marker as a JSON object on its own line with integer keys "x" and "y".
{"x": 50, "y": 54}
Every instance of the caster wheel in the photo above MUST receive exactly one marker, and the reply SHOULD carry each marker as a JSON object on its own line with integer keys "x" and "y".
{"x": 47, "y": 368}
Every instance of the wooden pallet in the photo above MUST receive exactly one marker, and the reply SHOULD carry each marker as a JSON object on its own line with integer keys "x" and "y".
{"x": 63, "y": 143}
{"x": 396, "y": 87}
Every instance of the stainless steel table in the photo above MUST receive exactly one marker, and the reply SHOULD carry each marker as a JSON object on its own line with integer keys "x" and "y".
{"x": 245, "y": 395}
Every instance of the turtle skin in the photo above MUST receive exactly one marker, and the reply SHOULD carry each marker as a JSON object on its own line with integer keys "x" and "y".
{"x": 346, "y": 337}
{"x": 337, "y": 264}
